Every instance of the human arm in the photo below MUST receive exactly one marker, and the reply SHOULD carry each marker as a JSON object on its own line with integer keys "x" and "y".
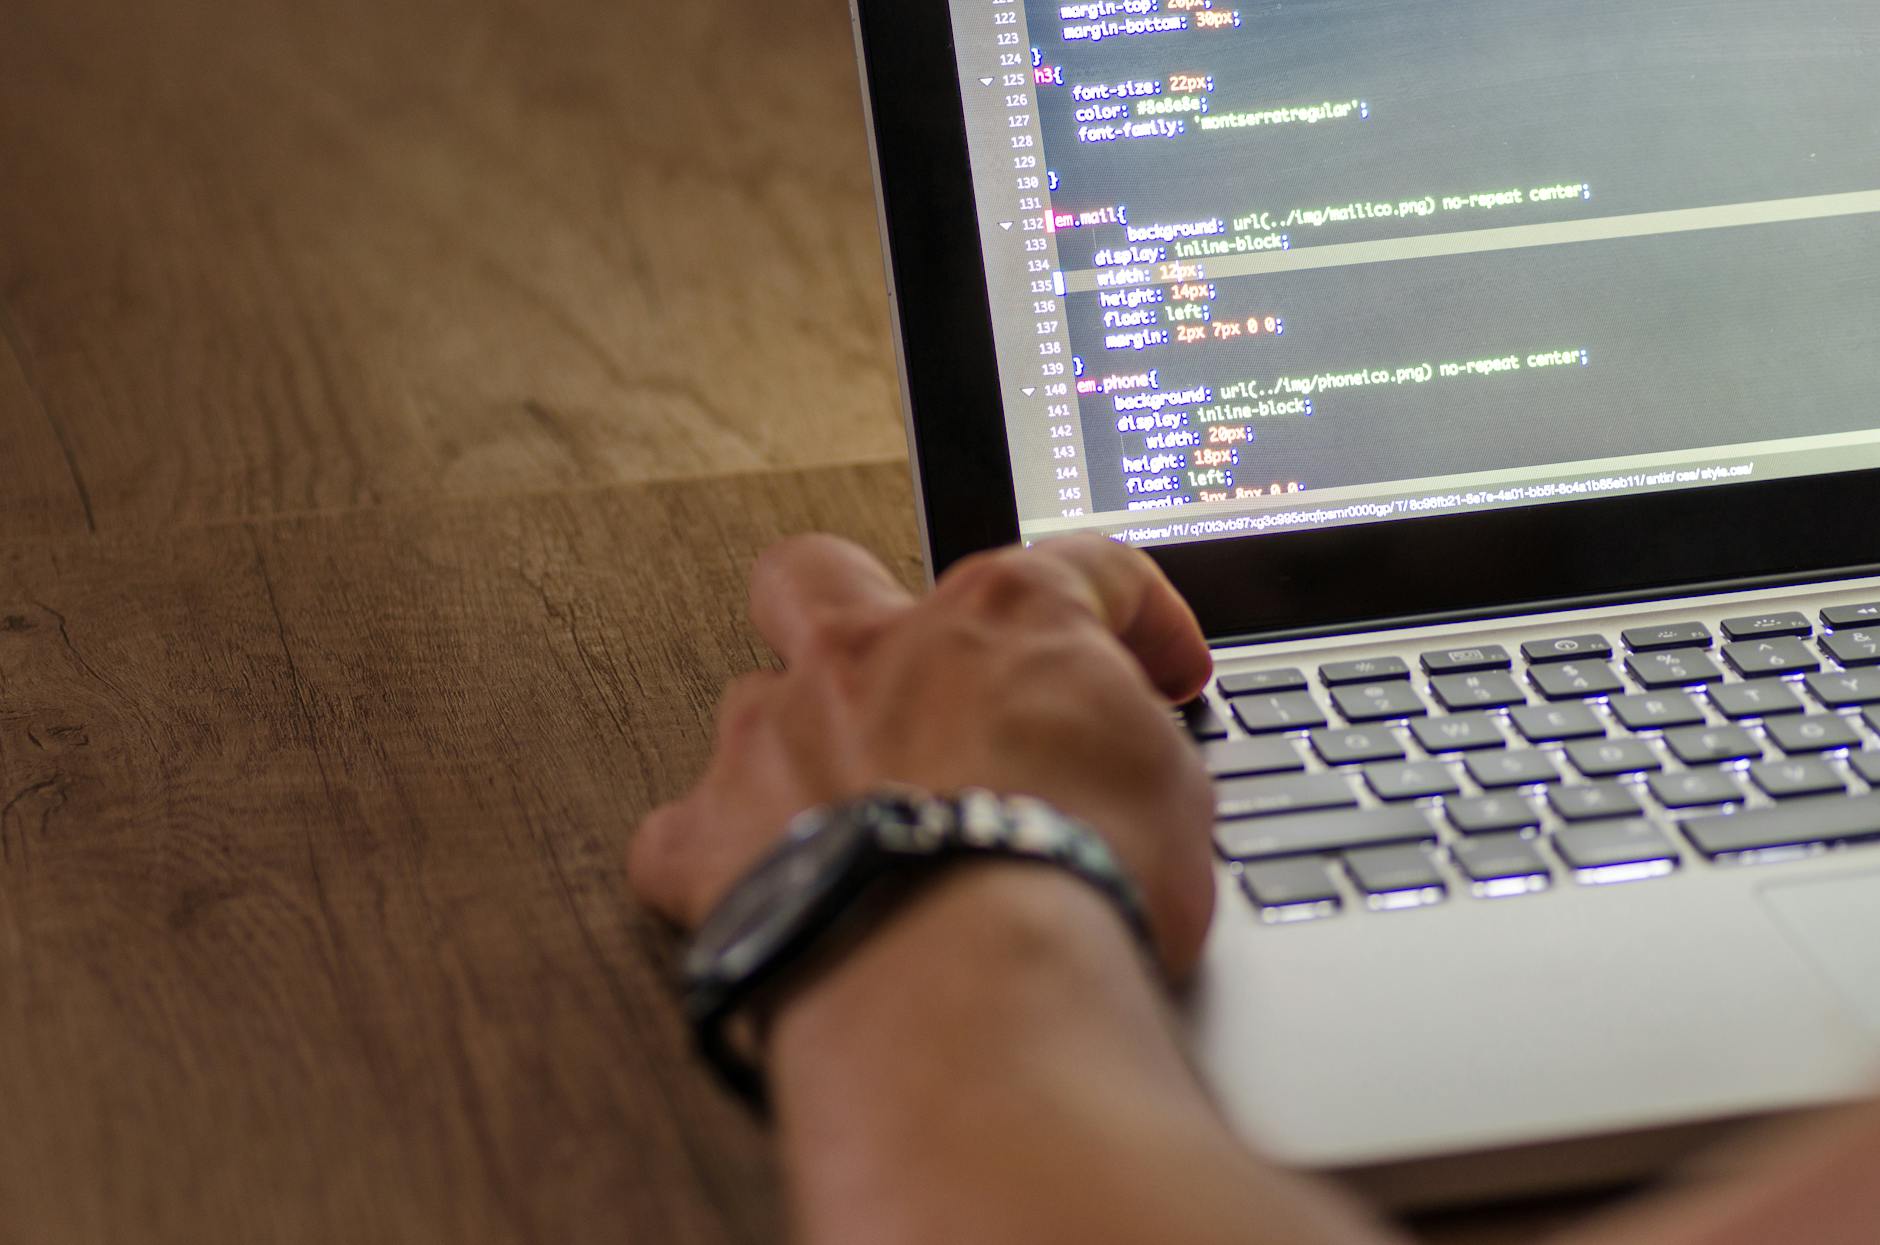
{"x": 996, "y": 1064}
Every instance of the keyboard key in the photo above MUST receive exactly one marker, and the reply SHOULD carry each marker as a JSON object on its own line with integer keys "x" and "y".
{"x": 1871, "y": 716}
{"x": 1695, "y": 788}
{"x": 1269, "y": 715}
{"x": 1203, "y": 723}
{"x": 1761, "y": 659}
{"x": 1743, "y": 701}
{"x": 1667, "y": 635}
{"x": 1290, "y": 884}
{"x": 1249, "y": 758}
{"x": 1818, "y": 732}
{"x": 1467, "y": 660}
{"x": 1609, "y": 844}
{"x": 1568, "y": 648}
{"x": 1312, "y": 834}
{"x": 1595, "y": 800}
{"x": 1836, "y": 617}
{"x": 1493, "y": 690}
{"x": 1575, "y": 680}
{"x": 1367, "y": 670}
{"x": 1793, "y": 825}
{"x": 1271, "y": 797}
{"x": 1679, "y": 668}
{"x": 1501, "y": 858}
{"x": 1854, "y": 648}
{"x": 1413, "y": 780}
{"x": 1461, "y": 732}
{"x": 1608, "y": 758}
{"x": 1492, "y": 814}
{"x": 1355, "y": 745}
{"x": 1407, "y": 871}
{"x": 1713, "y": 745}
{"x": 1258, "y": 681}
{"x": 1797, "y": 777}
{"x": 1517, "y": 767}
{"x": 1378, "y": 702}
{"x": 1846, "y": 689}
{"x": 1656, "y": 711}
{"x": 1767, "y": 626}
{"x": 1867, "y": 765}
{"x": 1546, "y": 724}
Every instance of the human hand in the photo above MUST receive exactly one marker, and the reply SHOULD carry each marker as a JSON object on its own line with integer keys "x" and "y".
{"x": 1045, "y": 672}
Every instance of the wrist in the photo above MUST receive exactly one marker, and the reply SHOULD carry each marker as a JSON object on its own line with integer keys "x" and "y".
{"x": 992, "y": 961}
{"x": 844, "y": 870}
{"x": 1003, "y": 1011}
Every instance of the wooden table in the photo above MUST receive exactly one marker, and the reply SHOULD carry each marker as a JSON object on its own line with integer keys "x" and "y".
{"x": 392, "y": 396}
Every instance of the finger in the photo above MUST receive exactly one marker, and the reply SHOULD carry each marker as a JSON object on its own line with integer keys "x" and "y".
{"x": 742, "y": 707}
{"x": 808, "y": 587}
{"x": 1138, "y": 603}
{"x": 668, "y": 857}
{"x": 655, "y": 859}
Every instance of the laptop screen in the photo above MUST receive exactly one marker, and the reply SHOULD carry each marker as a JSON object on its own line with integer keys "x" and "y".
{"x": 1302, "y": 264}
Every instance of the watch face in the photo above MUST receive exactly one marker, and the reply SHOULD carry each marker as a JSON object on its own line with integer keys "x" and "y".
{"x": 771, "y": 902}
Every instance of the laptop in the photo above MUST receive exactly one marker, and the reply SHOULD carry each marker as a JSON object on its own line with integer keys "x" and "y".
{"x": 1500, "y": 382}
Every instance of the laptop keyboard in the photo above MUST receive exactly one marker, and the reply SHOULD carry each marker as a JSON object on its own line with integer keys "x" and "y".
{"x": 1480, "y": 773}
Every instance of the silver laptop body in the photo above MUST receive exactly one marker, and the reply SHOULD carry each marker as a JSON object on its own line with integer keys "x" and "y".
{"x": 1435, "y": 969}
{"x": 1593, "y": 1031}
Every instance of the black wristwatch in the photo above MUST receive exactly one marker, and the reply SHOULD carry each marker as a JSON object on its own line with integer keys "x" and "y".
{"x": 841, "y": 868}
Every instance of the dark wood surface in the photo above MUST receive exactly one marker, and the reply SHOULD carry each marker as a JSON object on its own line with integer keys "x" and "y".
{"x": 392, "y": 397}
{"x": 279, "y": 258}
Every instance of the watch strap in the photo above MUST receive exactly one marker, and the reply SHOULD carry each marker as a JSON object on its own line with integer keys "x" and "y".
{"x": 911, "y": 837}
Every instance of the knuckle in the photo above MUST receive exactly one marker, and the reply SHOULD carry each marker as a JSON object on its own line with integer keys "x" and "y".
{"x": 650, "y": 852}
{"x": 1094, "y": 543}
{"x": 1004, "y": 583}
{"x": 774, "y": 563}
{"x": 831, "y": 638}
{"x": 1096, "y": 557}
{"x": 744, "y": 705}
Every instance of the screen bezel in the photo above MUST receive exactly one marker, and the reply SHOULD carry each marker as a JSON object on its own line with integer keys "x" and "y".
{"x": 1421, "y": 568}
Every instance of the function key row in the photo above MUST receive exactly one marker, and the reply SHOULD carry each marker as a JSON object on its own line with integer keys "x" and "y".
{"x": 1676, "y": 716}
{"x": 1757, "y": 645}
{"x": 1460, "y": 661}
{"x": 1666, "y": 636}
{"x": 1367, "y": 670}
{"x": 1840, "y": 617}
{"x": 1282, "y": 702}
{"x": 1262, "y": 683}
{"x": 1768, "y": 627}
{"x": 1568, "y": 648}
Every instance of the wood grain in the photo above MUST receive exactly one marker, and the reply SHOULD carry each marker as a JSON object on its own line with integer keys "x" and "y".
{"x": 392, "y": 397}
{"x": 312, "y": 925}
{"x": 39, "y": 494}
{"x": 273, "y": 258}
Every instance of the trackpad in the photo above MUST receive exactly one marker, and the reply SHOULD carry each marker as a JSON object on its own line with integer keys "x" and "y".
{"x": 1836, "y": 923}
